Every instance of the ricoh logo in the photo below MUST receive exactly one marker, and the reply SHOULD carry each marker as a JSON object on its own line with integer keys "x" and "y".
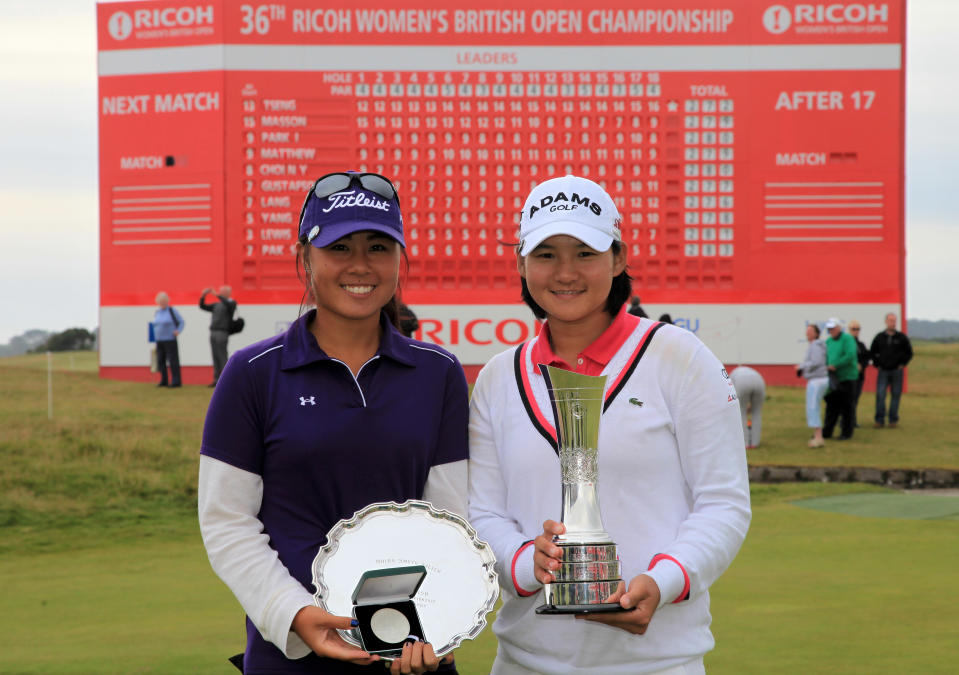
{"x": 837, "y": 18}
{"x": 162, "y": 22}
{"x": 777, "y": 19}
{"x": 479, "y": 332}
{"x": 120, "y": 26}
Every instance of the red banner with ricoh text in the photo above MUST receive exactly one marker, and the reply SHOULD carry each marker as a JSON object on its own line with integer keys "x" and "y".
{"x": 755, "y": 150}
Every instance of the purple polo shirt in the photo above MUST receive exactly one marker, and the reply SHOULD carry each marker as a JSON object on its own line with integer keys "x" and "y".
{"x": 327, "y": 444}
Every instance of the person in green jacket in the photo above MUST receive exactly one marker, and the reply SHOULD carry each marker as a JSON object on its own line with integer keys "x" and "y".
{"x": 842, "y": 364}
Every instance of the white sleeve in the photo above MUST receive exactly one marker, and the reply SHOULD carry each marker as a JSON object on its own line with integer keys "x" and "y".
{"x": 487, "y": 498}
{"x": 671, "y": 581}
{"x": 446, "y": 486}
{"x": 228, "y": 503}
{"x": 711, "y": 447}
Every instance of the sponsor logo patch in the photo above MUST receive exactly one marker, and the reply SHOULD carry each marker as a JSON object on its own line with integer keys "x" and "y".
{"x": 560, "y": 202}
{"x": 343, "y": 200}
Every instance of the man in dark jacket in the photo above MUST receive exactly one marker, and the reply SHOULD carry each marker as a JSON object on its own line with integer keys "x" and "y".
{"x": 890, "y": 352}
{"x": 862, "y": 356}
{"x": 223, "y": 310}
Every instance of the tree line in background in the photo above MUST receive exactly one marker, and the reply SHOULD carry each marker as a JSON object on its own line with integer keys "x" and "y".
{"x": 38, "y": 341}
{"x": 937, "y": 331}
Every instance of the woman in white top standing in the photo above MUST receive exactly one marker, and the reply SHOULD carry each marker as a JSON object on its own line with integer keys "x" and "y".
{"x": 673, "y": 487}
{"x": 813, "y": 368}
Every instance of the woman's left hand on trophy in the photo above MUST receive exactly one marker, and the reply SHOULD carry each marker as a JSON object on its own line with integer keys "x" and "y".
{"x": 641, "y": 600}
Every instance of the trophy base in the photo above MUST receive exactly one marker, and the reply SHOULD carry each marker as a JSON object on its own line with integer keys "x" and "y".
{"x": 603, "y": 608}
{"x": 580, "y": 593}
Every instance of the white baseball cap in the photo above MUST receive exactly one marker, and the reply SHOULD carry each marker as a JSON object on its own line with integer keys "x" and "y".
{"x": 569, "y": 205}
{"x": 832, "y": 323}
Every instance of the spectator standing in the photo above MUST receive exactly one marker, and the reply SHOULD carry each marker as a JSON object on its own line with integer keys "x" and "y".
{"x": 890, "y": 352}
{"x": 167, "y": 324}
{"x": 813, "y": 368}
{"x": 666, "y": 318}
{"x": 636, "y": 309}
{"x": 751, "y": 392}
{"x": 842, "y": 370}
{"x": 223, "y": 310}
{"x": 862, "y": 357}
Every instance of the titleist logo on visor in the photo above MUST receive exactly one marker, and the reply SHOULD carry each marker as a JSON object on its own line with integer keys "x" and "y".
{"x": 342, "y": 200}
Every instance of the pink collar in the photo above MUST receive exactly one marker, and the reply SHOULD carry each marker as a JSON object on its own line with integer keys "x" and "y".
{"x": 596, "y": 356}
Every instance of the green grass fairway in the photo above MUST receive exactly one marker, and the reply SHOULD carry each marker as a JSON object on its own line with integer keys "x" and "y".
{"x": 918, "y": 506}
{"x": 810, "y": 592}
{"x": 131, "y": 607}
{"x": 102, "y": 569}
{"x": 818, "y": 592}
{"x": 136, "y": 605}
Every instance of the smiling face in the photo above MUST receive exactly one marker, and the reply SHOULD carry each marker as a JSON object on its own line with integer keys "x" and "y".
{"x": 354, "y": 277}
{"x": 570, "y": 280}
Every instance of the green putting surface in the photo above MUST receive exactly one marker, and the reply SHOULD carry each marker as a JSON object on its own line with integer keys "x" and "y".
{"x": 885, "y": 505}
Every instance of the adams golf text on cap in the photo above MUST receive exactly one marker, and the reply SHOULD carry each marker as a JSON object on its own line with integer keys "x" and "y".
{"x": 569, "y": 205}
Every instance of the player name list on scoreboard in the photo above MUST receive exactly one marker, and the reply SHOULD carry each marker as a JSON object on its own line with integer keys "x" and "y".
{"x": 466, "y": 147}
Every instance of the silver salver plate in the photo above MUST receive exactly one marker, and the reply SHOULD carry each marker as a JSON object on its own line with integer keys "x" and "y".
{"x": 460, "y": 586}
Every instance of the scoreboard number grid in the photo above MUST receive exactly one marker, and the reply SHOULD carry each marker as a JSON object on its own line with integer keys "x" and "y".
{"x": 465, "y": 148}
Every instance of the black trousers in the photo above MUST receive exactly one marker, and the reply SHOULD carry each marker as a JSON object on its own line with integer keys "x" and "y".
{"x": 218, "y": 340}
{"x": 839, "y": 404}
{"x": 168, "y": 352}
{"x": 857, "y": 393}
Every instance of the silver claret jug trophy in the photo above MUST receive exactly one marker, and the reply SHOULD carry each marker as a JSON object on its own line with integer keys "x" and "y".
{"x": 589, "y": 571}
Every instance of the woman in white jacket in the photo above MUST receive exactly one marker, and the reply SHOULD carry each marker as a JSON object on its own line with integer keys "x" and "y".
{"x": 813, "y": 368}
{"x": 673, "y": 483}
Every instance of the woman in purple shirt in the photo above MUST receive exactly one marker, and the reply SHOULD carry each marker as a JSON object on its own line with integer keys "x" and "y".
{"x": 309, "y": 426}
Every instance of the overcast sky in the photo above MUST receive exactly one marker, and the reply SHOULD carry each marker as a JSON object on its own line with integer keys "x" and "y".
{"x": 48, "y": 163}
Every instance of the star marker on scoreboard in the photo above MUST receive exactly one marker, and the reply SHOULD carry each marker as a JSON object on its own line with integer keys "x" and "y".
{"x": 672, "y": 105}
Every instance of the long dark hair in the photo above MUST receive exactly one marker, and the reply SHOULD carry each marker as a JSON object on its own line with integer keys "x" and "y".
{"x": 391, "y": 308}
{"x": 619, "y": 292}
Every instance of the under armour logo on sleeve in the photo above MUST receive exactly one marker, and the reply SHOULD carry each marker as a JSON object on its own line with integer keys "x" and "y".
{"x": 304, "y": 400}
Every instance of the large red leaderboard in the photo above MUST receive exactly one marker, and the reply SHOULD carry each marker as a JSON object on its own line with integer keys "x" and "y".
{"x": 755, "y": 150}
